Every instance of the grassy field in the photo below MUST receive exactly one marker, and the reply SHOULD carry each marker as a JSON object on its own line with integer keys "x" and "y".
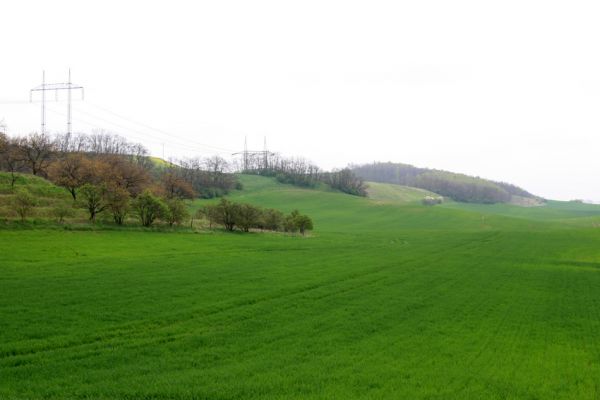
{"x": 385, "y": 192}
{"x": 386, "y": 299}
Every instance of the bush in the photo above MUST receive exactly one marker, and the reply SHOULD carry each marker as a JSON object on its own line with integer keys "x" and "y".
{"x": 92, "y": 198}
{"x": 118, "y": 200}
{"x": 223, "y": 214}
{"x": 247, "y": 216}
{"x": 272, "y": 219}
{"x": 176, "y": 212}
{"x": 297, "y": 222}
{"x": 62, "y": 211}
{"x": 149, "y": 208}
{"x": 303, "y": 223}
{"x": 432, "y": 201}
{"x": 23, "y": 203}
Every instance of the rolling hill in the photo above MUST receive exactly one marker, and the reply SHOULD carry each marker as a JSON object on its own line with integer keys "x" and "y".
{"x": 459, "y": 187}
{"x": 386, "y": 299}
{"x": 385, "y": 192}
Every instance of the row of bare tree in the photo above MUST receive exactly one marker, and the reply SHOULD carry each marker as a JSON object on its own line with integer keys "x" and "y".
{"x": 69, "y": 159}
{"x": 73, "y": 160}
{"x": 300, "y": 172}
{"x": 106, "y": 174}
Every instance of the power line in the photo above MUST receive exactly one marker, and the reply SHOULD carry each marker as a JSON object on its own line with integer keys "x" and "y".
{"x": 142, "y": 136}
{"x": 169, "y": 134}
{"x": 183, "y": 142}
{"x": 55, "y": 87}
{"x": 14, "y": 102}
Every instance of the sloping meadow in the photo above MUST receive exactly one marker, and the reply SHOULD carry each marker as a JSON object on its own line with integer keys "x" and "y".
{"x": 394, "y": 300}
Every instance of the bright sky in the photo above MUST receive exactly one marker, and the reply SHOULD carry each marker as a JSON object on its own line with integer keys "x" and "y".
{"x": 508, "y": 90}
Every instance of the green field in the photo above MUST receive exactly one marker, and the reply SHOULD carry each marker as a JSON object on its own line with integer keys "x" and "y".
{"x": 385, "y": 299}
{"x": 389, "y": 193}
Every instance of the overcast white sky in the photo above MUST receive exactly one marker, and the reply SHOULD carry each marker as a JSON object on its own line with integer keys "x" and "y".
{"x": 508, "y": 90}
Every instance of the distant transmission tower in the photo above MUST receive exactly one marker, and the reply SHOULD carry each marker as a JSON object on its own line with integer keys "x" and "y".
{"x": 44, "y": 87}
{"x": 265, "y": 155}
{"x": 247, "y": 153}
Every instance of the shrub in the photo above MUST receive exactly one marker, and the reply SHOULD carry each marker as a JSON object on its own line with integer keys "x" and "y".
{"x": 149, "y": 208}
{"x": 432, "y": 201}
{"x": 247, "y": 216}
{"x": 92, "y": 198}
{"x": 223, "y": 213}
{"x": 62, "y": 211}
{"x": 23, "y": 203}
{"x": 272, "y": 219}
{"x": 303, "y": 223}
{"x": 118, "y": 201}
{"x": 289, "y": 225}
{"x": 176, "y": 212}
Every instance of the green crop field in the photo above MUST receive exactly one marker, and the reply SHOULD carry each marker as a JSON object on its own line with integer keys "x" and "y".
{"x": 385, "y": 299}
{"x": 385, "y": 192}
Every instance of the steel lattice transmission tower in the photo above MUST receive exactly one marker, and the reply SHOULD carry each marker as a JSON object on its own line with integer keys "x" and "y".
{"x": 246, "y": 154}
{"x": 56, "y": 87}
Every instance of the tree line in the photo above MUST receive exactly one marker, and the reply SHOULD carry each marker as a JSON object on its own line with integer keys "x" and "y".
{"x": 458, "y": 187}
{"x": 105, "y": 173}
{"x": 243, "y": 216}
{"x": 301, "y": 172}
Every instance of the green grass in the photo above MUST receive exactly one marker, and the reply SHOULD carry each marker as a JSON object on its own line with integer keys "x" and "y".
{"x": 550, "y": 211}
{"x": 384, "y": 300}
{"x": 36, "y": 185}
{"x": 48, "y": 196}
{"x": 387, "y": 192}
{"x": 159, "y": 162}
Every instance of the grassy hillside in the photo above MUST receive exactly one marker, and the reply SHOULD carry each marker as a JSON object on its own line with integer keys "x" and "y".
{"x": 549, "y": 211}
{"x": 459, "y": 187}
{"x": 337, "y": 212}
{"x": 385, "y": 300}
{"x": 391, "y": 193}
{"x": 36, "y": 185}
{"x": 48, "y": 196}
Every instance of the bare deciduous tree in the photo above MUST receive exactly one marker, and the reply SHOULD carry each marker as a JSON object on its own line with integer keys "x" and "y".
{"x": 36, "y": 150}
{"x": 71, "y": 172}
{"x": 11, "y": 159}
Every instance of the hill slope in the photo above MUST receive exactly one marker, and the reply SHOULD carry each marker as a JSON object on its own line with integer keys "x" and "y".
{"x": 459, "y": 187}
{"x": 385, "y": 301}
{"x": 388, "y": 192}
{"x": 335, "y": 211}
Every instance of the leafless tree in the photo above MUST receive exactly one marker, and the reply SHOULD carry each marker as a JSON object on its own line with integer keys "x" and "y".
{"x": 72, "y": 172}
{"x": 11, "y": 159}
{"x": 36, "y": 150}
{"x": 71, "y": 143}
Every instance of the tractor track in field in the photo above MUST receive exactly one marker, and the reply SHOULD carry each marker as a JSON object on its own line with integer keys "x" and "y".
{"x": 113, "y": 336}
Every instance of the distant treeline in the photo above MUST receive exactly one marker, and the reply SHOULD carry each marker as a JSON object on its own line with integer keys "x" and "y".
{"x": 300, "y": 172}
{"x": 72, "y": 160}
{"x": 458, "y": 187}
